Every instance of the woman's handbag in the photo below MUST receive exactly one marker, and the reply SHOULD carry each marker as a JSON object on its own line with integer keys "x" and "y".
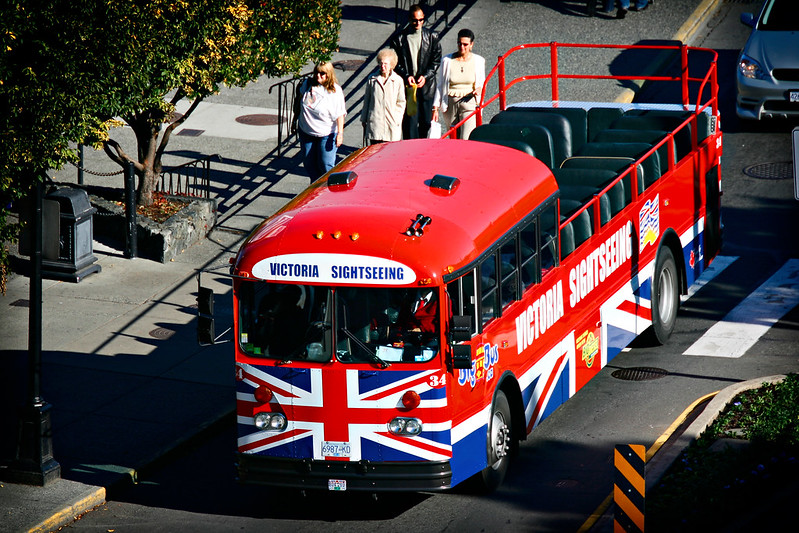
{"x": 435, "y": 131}
{"x": 410, "y": 105}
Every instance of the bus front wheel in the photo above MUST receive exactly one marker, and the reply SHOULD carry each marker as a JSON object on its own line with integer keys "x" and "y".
{"x": 499, "y": 445}
{"x": 665, "y": 296}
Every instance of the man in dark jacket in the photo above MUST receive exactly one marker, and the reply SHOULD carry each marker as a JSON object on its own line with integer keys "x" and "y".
{"x": 419, "y": 53}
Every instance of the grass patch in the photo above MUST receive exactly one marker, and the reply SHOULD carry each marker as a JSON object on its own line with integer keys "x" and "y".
{"x": 705, "y": 489}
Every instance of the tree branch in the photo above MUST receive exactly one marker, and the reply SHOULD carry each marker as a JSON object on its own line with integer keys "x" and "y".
{"x": 114, "y": 150}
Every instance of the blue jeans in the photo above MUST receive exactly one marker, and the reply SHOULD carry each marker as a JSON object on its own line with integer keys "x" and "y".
{"x": 624, "y": 4}
{"x": 319, "y": 153}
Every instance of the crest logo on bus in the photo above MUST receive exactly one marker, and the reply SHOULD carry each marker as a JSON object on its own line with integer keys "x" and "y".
{"x": 588, "y": 346}
{"x": 649, "y": 222}
{"x": 482, "y": 367}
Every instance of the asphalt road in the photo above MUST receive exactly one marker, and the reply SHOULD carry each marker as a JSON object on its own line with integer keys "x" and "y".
{"x": 564, "y": 469}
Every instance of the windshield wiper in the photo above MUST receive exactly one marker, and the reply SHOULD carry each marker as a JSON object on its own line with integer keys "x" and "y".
{"x": 372, "y": 354}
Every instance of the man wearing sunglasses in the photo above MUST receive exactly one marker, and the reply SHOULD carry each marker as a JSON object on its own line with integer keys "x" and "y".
{"x": 419, "y": 53}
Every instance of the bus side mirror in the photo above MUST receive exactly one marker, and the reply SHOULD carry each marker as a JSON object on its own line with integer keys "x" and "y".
{"x": 461, "y": 331}
{"x": 205, "y": 316}
{"x": 462, "y": 356}
{"x": 460, "y": 328}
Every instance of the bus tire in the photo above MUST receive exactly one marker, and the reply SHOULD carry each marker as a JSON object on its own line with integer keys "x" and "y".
{"x": 499, "y": 444}
{"x": 665, "y": 296}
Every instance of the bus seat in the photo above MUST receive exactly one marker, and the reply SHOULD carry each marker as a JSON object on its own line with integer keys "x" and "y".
{"x": 614, "y": 199}
{"x": 651, "y": 164}
{"x": 682, "y": 139}
{"x": 566, "y": 241}
{"x": 571, "y": 123}
{"x": 703, "y": 121}
{"x": 584, "y": 194}
{"x": 648, "y": 136}
{"x": 581, "y": 228}
{"x": 615, "y": 164}
{"x": 600, "y": 118}
{"x": 518, "y": 145}
{"x": 537, "y": 137}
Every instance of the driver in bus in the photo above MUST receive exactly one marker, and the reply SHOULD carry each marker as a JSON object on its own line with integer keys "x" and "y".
{"x": 419, "y": 314}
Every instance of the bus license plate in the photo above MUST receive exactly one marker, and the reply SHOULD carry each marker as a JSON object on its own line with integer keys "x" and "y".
{"x": 335, "y": 449}
{"x": 336, "y": 484}
{"x": 793, "y": 96}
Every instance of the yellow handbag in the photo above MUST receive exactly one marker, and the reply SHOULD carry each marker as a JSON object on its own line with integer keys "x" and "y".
{"x": 410, "y": 105}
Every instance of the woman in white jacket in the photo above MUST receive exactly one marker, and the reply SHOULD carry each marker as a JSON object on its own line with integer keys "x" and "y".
{"x": 384, "y": 101}
{"x": 460, "y": 85}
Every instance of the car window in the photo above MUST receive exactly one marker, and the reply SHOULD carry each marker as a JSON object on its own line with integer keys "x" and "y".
{"x": 780, "y": 15}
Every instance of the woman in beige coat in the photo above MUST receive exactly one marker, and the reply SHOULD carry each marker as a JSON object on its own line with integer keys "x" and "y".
{"x": 384, "y": 101}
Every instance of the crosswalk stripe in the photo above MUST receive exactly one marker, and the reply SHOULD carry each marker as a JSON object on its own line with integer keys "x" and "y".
{"x": 753, "y": 317}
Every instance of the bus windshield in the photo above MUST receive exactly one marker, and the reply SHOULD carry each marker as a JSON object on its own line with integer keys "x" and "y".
{"x": 293, "y": 322}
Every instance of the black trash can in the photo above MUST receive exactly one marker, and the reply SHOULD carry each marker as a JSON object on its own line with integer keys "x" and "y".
{"x": 73, "y": 258}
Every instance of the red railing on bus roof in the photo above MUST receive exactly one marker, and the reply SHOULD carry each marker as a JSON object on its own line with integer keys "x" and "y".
{"x": 711, "y": 77}
{"x": 555, "y": 76}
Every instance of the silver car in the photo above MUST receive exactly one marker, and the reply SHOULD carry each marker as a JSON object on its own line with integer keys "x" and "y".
{"x": 768, "y": 67}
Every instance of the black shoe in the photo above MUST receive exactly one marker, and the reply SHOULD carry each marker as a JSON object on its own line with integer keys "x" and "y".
{"x": 621, "y": 13}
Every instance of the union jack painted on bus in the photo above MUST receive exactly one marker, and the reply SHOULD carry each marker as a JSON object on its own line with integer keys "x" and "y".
{"x": 343, "y": 406}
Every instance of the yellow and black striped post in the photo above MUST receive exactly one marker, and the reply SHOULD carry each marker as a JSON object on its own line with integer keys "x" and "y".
{"x": 629, "y": 488}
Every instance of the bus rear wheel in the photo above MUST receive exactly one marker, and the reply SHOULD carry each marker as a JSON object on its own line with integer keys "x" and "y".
{"x": 665, "y": 296}
{"x": 499, "y": 444}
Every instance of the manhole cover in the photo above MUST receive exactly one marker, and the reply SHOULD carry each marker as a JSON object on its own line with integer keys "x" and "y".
{"x": 348, "y": 64}
{"x": 161, "y": 333}
{"x": 259, "y": 119}
{"x": 770, "y": 171}
{"x": 639, "y": 373}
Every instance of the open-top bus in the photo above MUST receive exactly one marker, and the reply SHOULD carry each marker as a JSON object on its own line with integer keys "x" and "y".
{"x": 411, "y": 316}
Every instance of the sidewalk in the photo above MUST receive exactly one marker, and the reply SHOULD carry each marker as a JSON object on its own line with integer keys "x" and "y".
{"x": 121, "y": 366}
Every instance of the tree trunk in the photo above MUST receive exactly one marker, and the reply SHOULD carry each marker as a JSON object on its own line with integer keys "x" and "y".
{"x": 151, "y": 142}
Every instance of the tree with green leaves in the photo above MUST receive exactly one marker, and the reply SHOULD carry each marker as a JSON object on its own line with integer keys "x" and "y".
{"x": 52, "y": 91}
{"x": 69, "y": 71}
{"x": 190, "y": 49}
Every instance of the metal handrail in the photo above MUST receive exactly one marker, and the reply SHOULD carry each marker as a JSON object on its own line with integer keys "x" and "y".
{"x": 189, "y": 179}
{"x": 285, "y": 108}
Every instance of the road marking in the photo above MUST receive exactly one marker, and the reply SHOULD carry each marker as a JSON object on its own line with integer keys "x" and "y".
{"x": 716, "y": 267}
{"x": 753, "y": 317}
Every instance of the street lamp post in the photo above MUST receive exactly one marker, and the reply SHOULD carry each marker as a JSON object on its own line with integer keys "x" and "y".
{"x": 34, "y": 463}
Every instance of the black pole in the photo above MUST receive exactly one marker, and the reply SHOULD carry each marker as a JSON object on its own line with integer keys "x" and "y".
{"x": 34, "y": 463}
{"x": 80, "y": 164}
{"x": 131, "y": 247}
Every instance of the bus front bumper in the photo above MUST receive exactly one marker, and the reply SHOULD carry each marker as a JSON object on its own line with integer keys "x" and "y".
{"x": 359, "y": 476}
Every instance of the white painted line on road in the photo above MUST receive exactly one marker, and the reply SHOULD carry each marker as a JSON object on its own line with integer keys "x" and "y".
{"x": 716, "y": 267}
{"x": 752, "y": 318}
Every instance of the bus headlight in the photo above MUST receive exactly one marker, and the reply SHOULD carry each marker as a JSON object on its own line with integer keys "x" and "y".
{"x": 271, "y": 421}
{"x": 406, "y": 427}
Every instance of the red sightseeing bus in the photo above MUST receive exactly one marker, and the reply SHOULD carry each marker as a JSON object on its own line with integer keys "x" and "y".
{"x": 411, "y": 316}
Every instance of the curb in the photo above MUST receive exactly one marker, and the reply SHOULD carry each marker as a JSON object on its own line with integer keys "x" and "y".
{"x": 95, "y": 497}
{"x": 660, "y": 464}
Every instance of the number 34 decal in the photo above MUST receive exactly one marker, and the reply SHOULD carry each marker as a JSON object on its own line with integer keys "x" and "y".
{"x": 438, "y": 381}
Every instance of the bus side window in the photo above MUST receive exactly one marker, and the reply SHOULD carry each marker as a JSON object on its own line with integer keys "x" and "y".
{"x": 509, "y": 272}
{"x": 548, "y": 238}
{"x": 489, "y": 293}
{"x": 528, "y": 243}
{"x": 461, "y": 293}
